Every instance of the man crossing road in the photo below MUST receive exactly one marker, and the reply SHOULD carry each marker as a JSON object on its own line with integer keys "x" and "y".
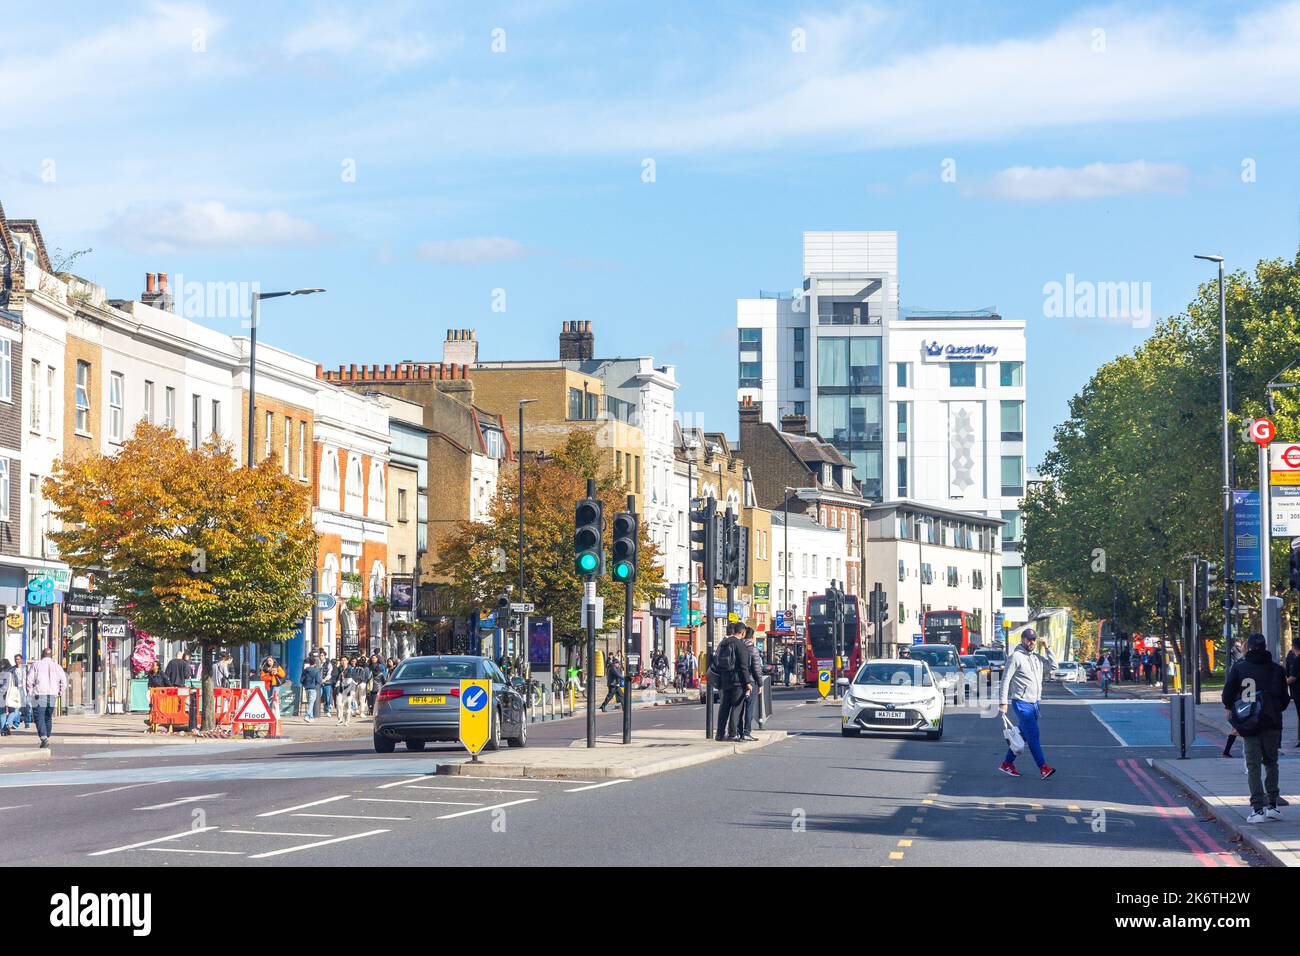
{"x": 1022, "y": 689}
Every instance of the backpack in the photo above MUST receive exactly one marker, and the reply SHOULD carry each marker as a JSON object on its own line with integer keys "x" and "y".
{"x": 725, "y": 664}
{"x": 1245, "y": 717}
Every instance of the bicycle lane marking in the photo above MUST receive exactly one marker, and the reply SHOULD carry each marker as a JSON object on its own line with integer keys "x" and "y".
{"x": 1195, "y": 827}
{"x": 1170, "y": 815}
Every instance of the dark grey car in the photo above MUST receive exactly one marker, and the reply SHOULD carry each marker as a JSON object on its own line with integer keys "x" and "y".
{"x": 421, "y": 702}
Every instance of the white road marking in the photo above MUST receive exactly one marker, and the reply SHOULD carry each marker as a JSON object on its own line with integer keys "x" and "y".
{"x": 17, "y": 806}
{"x": 499, "y": 806}
{"x": 399, "y": 783}
{"x": 172, "y": 849}
{"x": 177, "y": 803}
{"x": 310, "y": 846}
{"x": 596, "y": 786}
{"x": 445, "y": 803}
{"x": 136, "y": 846}
{"x": 469, "y": 789}
{"x": 347, "y": 816}
{"x": 129, "y": 786}
{"x": 304, "y": 806}
{"x": 1122, "y": 741}
{"x": 275, "y": 833}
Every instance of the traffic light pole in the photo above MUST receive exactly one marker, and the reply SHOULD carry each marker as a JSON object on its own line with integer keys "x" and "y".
{"x": 589, "y": 596}
{"x": 628, "y": 586}
{"x": 1193, "y": 645}
{"x": 709, "y": 681}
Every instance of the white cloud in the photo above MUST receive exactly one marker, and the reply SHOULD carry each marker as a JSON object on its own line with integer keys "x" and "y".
{"x": 471, "y": 251}
{"x": 1094, "y": 181}
{"x": 171, "y": 227}
{"x": 377, "y": 37}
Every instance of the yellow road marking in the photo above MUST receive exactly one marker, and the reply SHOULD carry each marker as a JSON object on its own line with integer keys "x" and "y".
{"x": 895, "y": 855}
{"x": 904, "y": 842}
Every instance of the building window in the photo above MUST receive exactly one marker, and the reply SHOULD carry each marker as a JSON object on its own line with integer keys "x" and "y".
{"x": 902, "y": 476}
{"x": 4, "y": 489}
{"x": 952, "y": 576}
{"x": 286, "y": 463}
{"x": 844, "y": 362}
{"x": 266, "y": 436}
{"x": 961, "y": 374}
{"x": 637, "y": 484}
{"x": 6, "y": 370}
{"x": 593, "y": 406}
{"x": 1011, "y": 530}
{"x": 1013, "y": 586}
{"x": 1013, "y": 421}
{"x": 216, "y": 419}
{"x": 401, "y": 504}
{"x": 902, "y": 570}
{"x": 1012, "y": 374}
{"x": 302, "y": 449}
{"x": 36, "y": 402}
{"x": 34, "y": 515}
{"x": 116, "y": 386}
{"x": 751, "y": 358}
{"x": 1012, "y": 476}
{"x": 900, "y": 374}
{"x": 50, "y": 375}
{"x": 83, "y": 398}
{"x": 798, "y": 374}
{"x": 353, "y": 495}
{"x": 196, "y": 420}
{"x": 575, "y": 404}
{"x": 902, "y": 421}
{"x": 169, "y": 408}
{"x": 148, "y": 401}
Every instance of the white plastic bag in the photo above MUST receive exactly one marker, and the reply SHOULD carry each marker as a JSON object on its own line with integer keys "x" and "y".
{"x": 1012, "y": 733}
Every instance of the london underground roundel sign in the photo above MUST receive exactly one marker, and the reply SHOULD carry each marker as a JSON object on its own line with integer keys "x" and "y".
{"x": 1262, "y": 431}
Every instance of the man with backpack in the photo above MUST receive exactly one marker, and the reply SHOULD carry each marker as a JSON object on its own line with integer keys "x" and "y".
{"x": 1254, "y": 698}
{"x": 730, "y": 670}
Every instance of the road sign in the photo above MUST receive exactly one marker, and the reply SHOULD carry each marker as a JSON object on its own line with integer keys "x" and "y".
{"x": 1262, "y": 431}
{"x": 823, "y": 681}
{"x": 1285, "y": 518}
{"x": 255, "y": 709}
{"x": 521, "y": 607}
{"x": 600, "y": 613}
{"x": 1284, "y": 463}
{"x": 475, "y": 714}
{"x": 325, "y": 602}
{"x": 918, "y": 638}
{"x": 778, "y": 621}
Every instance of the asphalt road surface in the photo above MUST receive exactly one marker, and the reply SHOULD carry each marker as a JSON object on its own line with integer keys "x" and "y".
{"x": 815, "y": 798}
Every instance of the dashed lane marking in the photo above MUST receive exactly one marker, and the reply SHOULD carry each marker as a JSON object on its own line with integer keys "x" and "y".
{"x": 275, "y": 833}
{"x": 129, "y": 786}
{"x": 417, "y": 786}
{"x": 312, "y": 846}
{"x": 163, "y": 839}
{"x": 499, "y": 806}
{"x": 403, "y": 783}
{"x": 181, "y": 800}
{"x": 347, "y": 816}
{"x": 304, "y": 806}
{"x": 176, "y": 849}
{"x": 441, "y": 803}
{"x": 596, "y": 786}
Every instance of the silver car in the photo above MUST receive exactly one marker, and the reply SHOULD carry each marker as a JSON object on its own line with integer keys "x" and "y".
{"x": 421, "y": 702}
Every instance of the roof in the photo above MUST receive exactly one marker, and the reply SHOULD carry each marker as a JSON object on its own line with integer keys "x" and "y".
{"x": 801, "y": 522}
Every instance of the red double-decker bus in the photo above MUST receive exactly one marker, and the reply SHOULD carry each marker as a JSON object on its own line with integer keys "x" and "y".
{"x": 950, "y": 627}
{"x": 819, "y": 638}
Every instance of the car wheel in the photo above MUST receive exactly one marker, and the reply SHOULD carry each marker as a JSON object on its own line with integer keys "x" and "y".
{"x": 935, "y": 734}
{"x": 383, "y": 745}
{"x": 415, "y": 745}
{"x": 522, "y": 739}
{"x": 849, "y": 732}
{"x": 494, "y": 736}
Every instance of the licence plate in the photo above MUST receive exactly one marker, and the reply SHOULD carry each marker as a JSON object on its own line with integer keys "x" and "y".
{"x": 440, "y": 699}
{"x": 890, "y": 715}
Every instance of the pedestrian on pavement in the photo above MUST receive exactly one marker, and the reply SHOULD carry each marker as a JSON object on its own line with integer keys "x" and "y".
{"x": 220, "y": 672}
{"x": 614, "y": 675}
{"x": 361, "y": 677}
{"x": 178, "y": 671}
{"x": 1258, "y": 679}
{"x": 45, "y": 683}
{"x": 1146, "y": 666}
{"x": 787, "y": 665}
{"x": 327, "y": 672}
{"x": 25, "y": 711}
{"x": 272, "y": 676}
{"x": 1022, "y": 690}
{"x": 310, "y": 684}
{"x": 692, "y": 668}
{"x": 729, "y": 671}
{"x": 345, "y": 686}
{"x": 156, "y": 677}
{"x": 378, "y": 678}
{"x": 1293, "y": 679}
{"x": 755, "y": 681}
{"x": 11, "y": 698}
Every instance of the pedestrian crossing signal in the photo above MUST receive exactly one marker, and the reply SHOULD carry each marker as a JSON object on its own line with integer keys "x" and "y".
{"x": 588, "y": 537}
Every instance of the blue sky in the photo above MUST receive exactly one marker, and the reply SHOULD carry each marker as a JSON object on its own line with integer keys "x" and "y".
{"x": 218, "y": 141}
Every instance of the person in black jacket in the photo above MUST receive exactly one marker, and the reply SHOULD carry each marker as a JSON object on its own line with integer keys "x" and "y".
{"x": 1293, "y": 678}
{"x": 613, "y": 683}
{"x": 178, "y": 670}
{"x": 755, "y": 679}
{"x": 730, "y": 668}
{"x": 1256, "y": 676}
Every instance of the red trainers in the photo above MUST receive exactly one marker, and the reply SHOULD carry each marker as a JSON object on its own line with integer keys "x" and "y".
{"x": 1009, "y": 769}
{"x": 1045, "y": 771}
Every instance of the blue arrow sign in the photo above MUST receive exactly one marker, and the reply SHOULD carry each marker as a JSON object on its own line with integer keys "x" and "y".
{"x": 475, "y": 699}
{"x": 824, "y": 676}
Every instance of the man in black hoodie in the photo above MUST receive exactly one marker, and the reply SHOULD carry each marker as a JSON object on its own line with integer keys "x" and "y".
{"x": 1293, "y": 677}
{"x": 730, "y": 667}
{"x": 1257, "y": 677}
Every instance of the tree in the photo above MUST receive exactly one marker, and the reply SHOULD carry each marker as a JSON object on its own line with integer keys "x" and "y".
{"x": 1133, "y": 483}
{"x": 551, "y": 488}
{"x": 195, "y": 547}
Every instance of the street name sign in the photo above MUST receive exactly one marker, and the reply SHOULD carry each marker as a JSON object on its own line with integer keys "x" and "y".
{"x": 475, "y": 714}
{"x": 325, "y": 602}
{"x": 521, "y": 607}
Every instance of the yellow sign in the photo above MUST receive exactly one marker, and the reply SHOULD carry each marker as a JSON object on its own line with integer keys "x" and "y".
{"x": 475, "y": 714}
{"x": 14, "y": 619}
{"x": 1284, "y": 477}
{"x": 823, "y": 680}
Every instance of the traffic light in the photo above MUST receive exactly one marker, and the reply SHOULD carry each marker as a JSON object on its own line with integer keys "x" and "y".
{"x": 873, "y": 605}
{"x": 1205, "y": 584}
{"x": 730, "y": 547}
{"x": 882, "y": 604}
{"x": 1295, "y": 566}
{"x": 588, "y": 537}
{"x": 1162, "y": 599}
{"x": 625, "y": 535}
{"x": 703, "y": 538}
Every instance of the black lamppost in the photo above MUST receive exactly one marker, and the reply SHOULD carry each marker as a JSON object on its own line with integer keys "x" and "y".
{"x": 252, "y": 359}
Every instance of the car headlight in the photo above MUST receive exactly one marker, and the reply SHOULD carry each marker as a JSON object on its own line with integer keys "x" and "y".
{"x": 848, "y": 697}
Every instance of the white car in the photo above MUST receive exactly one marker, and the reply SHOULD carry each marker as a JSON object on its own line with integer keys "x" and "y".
{"x": 1069, "y": 671}
{"x": 892, "y": 696}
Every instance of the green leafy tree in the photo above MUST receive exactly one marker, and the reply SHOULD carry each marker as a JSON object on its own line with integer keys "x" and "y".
{"x": 196, "y": 548}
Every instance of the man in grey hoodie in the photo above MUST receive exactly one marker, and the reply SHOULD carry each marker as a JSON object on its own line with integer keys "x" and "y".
{"x": 1022, "y": 688}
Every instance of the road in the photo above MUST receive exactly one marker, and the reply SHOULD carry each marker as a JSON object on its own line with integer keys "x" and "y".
{"x": 815, "y": 798}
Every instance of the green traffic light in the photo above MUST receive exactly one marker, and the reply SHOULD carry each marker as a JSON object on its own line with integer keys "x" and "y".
{"x": 587, "y": 562}
{"x": 622, "y": 570}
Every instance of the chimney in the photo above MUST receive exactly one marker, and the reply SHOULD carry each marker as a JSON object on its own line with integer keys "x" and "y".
{"x": 577, "y": 343}
{"x": 794, "y": 424}
{"x": 460, "y": 347}
{"x": 155, "y": 291}
{"x": 749, "y": 412}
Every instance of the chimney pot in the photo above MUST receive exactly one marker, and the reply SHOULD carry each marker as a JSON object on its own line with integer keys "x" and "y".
{"x": 162, "y": 282}
{"x": 149, "y": 279}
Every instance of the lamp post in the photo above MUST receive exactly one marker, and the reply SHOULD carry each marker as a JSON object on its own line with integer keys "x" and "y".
{"x": 523, "y": 634}
{"x": 1227, "y": 486}
{"x": 252, "y": 358}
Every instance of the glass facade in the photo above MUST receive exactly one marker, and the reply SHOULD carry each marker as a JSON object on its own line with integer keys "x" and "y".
{"x": 849, "y": 404}
{"x": 961, "y": 374}
{"x": 751, "y": 358}
{"x": 1012, "y": 374}
{"x": 844, "y": 362}
{"x": 1013, "y": 421}
{"x": 1012, "y": 475}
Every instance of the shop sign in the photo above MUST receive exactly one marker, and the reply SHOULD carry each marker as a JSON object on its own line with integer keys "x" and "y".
{"x": 113, "y": 628}
{"x": 79, "y": 603}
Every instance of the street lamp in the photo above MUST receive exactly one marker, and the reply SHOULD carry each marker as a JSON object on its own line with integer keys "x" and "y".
{"x": 252, "y": 359}
{"x": 1227, "y": 480}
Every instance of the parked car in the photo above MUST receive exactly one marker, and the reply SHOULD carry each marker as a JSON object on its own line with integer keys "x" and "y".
{"x": 996, "y": 656}
{"x": 897, "y": 695}
{"x": 945, "y": 666}
{"x": 421, "y": 703}
{"x": 1070, "y": 672}
{"x": 978, "y": 671}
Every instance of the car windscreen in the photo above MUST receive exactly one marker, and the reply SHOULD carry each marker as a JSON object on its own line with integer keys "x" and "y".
{"x": 994, "y": 656}
{"x": 903, "y": 675}
{"x": 436, "y": 670}
{"x": 935, "y": 656}
{"x": 974, "y": 660}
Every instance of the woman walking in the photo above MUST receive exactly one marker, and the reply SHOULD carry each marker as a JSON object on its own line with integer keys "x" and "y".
{"x": 378, "y": 678}
{"x": 10, "y": 696}
{"x": 344, "y": 688}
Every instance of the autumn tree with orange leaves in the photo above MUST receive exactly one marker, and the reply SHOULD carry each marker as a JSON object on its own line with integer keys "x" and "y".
{"x": 192, "y": 546}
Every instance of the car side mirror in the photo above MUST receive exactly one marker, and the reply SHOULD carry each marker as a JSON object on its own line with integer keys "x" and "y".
{"x": 843, "y": 682}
